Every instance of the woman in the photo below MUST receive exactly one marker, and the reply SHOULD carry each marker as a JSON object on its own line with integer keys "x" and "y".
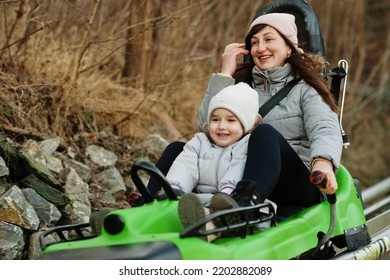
{"x": 299, "y": 135}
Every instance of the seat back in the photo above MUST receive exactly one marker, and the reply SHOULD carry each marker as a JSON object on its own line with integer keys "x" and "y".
{"x": 309, "y": 31}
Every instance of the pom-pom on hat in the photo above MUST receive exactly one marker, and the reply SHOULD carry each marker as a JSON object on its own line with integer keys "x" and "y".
{"x": 283, "y": 23}
{"x": 241, "y": 100}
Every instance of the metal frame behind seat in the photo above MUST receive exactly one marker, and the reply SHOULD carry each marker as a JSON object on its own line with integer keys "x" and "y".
{"x": 337, "y": 75}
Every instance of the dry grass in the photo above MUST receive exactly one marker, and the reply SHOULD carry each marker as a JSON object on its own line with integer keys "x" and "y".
{"x": 71, "y": 67}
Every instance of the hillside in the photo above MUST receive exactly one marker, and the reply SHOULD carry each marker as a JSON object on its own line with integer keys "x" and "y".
{"x": 77, "y": 68}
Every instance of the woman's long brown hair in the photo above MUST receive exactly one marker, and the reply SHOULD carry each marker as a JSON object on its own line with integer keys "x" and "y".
{"x": 306, "y": 66}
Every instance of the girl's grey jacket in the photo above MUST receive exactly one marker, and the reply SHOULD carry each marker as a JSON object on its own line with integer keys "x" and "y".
{"x": 206, "y": 168}
{"x": 302, "y": 117}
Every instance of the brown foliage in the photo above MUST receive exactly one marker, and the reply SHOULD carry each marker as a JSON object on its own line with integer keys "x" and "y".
{"x": 129, "y": 67}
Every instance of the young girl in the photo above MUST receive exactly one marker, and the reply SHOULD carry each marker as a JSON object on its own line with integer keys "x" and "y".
{"x": 213, "y": 160}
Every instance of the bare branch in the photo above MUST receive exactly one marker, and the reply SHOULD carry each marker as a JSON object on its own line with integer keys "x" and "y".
{"x": 73, "y": 70}
{"x": 29, "y": 34}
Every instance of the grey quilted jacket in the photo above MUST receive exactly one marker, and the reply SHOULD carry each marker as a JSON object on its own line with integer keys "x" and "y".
{"x": 208, "y": 168}
{"x": 302, "y": 117}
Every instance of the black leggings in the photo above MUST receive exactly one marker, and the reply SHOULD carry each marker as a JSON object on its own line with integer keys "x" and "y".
{"x": 280, "y": 174}
{"x": 164, "y": 163}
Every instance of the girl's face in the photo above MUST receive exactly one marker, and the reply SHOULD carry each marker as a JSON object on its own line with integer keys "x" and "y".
{"x": 225, "y": 128}
{"x": 268, "y": 49}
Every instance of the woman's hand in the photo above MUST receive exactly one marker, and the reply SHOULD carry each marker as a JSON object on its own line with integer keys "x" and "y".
{"x": 326, "y": 167}
{"x": 229, "y": 57}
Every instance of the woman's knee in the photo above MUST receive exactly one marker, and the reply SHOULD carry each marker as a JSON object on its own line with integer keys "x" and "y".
{"x": 174, "y": 148}
{"x": 263, "y": 131}
{"x": 164, "y": 163}
{"x": 169, "y": 155}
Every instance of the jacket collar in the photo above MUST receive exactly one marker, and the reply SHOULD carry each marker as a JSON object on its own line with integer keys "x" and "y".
{"x": 272, "y": 76}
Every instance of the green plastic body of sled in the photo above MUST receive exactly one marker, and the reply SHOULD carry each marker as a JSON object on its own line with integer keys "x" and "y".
{"x": 153, "y": 231}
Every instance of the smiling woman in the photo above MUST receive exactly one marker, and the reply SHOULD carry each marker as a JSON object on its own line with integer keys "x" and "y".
{"x": 269, "y": 49}
{"x": 268, "y": 46}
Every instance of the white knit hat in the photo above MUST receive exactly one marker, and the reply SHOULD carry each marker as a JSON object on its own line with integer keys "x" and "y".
{"x": 241, "y": 100}
{"x": 283, "y": 23}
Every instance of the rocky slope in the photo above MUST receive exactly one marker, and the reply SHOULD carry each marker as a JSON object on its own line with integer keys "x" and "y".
{"x": 43, "y": 184}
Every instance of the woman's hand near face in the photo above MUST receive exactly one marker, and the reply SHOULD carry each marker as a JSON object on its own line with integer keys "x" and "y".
{"x": 230, "y": 55}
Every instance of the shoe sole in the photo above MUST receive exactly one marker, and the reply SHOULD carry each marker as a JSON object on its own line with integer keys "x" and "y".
{"x": 190, "y": 210}
{"x": 224, "y": 202}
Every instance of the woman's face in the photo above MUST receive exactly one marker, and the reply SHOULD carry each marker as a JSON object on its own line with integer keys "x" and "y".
{"x": 225, "y": 128}
{"x": 268, "y": 49}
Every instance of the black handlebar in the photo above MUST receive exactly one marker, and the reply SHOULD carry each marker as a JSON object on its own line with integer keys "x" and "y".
{"x": 153, "y": 171}
{"x": 319, "y": 179}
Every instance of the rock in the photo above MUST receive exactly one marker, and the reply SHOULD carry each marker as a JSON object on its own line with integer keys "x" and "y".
{"x": 13, "y": 158}
{"x": 48, "y": 213}
{"x": 34, "y": 248}
{"x": 39, "y": 170}
{"x": 111, "y": 180}
{"x": 15, "y": 209}
{"x": 12, "y": 242}
{"x": 78, "y": 194}
{"x": 49, "y": 193}
{"x": 32, "y": 148}
{"x": 49, "y": 146}
{"x": 54, "y": 164}
{"x": 4, "y": 171}
{"x": 153, "y": 146}
{"x": 81, "y": 169}
{"x": 100, "y": 156}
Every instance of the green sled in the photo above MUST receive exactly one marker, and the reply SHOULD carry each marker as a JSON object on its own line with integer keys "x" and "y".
{"x": 154, "y": 231}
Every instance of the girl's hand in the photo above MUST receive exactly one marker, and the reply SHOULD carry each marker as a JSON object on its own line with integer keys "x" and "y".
{"x": 230, "y": 55}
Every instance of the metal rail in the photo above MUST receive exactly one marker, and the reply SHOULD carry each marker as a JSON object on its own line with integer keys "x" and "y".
{"x": 376, "y": 191}
{"x": 376, "y": 198}
{"x": 379, "y": 228}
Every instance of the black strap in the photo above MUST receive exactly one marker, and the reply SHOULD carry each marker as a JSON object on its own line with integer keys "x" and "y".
{"x": 274, "y": 100}
{"x": 337, "y": 74}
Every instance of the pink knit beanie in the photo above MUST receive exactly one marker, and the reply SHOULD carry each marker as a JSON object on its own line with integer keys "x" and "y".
{"x": 283, "y": 23}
